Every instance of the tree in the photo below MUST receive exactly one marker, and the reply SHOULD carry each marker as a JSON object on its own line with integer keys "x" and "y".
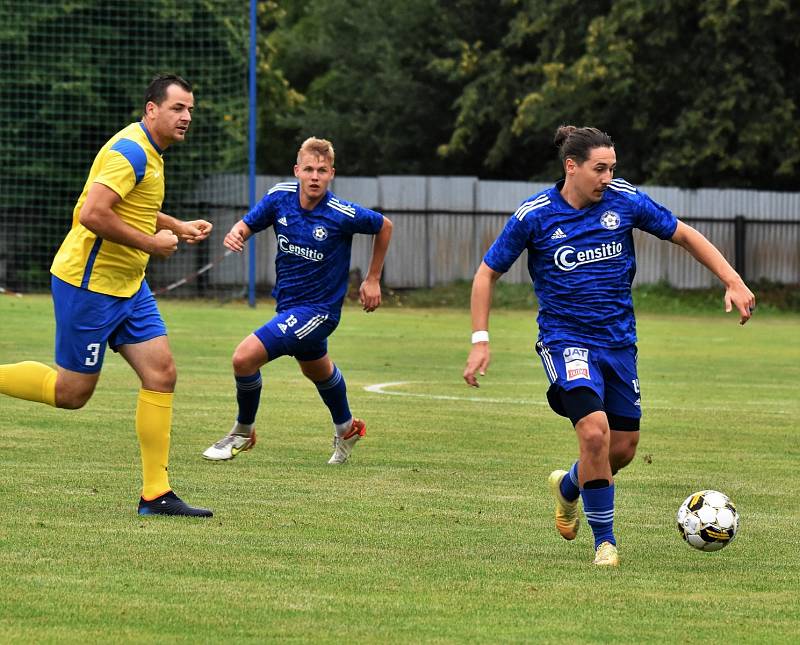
{"x": 693, "y": 93}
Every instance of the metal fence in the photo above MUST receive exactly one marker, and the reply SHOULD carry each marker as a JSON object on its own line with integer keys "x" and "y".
{"x": 443, "y": 226}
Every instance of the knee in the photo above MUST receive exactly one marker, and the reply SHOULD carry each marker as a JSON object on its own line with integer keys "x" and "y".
{"x": 162, "y": 377}
{"x": 72, "y": 398}
{"x": 169, "y": 377}
{"x": 594, "y": 438}
{"x": 243, "y": 363}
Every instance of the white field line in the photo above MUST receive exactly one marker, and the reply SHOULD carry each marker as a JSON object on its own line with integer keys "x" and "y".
{"x": 380, "y": 388}
{"x": 383, "y": 388}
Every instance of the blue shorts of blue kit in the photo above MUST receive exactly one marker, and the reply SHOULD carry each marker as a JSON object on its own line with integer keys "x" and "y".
{"x": 610, "y": 373}
{"x": 87, "y": 321}
{"x": 301, "y": 332}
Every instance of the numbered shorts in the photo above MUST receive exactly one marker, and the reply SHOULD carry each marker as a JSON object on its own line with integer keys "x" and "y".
{"x": 301, "y": 332}
{"x": 87, "y": 321}
{"x": 610, "y": 373}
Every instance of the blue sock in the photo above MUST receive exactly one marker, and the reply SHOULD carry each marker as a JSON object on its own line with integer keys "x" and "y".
{"x": 334, "y": 394}
{"x": 569, "y": 485}
{"x": 248, "y": 395}
{"x": 598, "y": 506}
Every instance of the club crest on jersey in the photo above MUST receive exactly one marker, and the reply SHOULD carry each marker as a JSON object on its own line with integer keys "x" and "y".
{"x": 576, "y": 362}
{"x": 320, "y": 233}
{"x": 610, "y": 220}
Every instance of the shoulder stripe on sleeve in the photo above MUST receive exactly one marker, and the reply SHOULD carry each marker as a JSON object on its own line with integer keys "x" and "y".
{"x": 135, "y": 155}
{"x": 622, "y": 186}
{"x": 527, "y": 207}
{"x": 348, "y": 210}
{"x": 285, "y": 186}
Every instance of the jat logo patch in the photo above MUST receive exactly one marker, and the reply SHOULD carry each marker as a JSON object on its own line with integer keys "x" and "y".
{"x": 576, "y": 361}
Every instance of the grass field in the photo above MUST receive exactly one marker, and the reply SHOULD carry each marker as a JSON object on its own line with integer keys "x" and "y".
{"x": 438, "y": 530}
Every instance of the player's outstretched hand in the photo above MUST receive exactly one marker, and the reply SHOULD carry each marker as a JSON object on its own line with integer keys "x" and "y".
{"x": 370, "y": 294}
{"x": 195, "y": 231}
{"x": 477, "y": 362}
{"x": 165, "y": 243}
{"x": 739, "y": 296}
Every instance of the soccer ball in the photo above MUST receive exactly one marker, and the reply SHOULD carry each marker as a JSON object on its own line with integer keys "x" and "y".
{"x": 708, "y": 520}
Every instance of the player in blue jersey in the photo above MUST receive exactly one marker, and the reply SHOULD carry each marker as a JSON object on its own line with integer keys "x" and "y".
{"x": 581, "y": 261}
{"x": 314, "y": 230}
{"x": 100, "y": 295}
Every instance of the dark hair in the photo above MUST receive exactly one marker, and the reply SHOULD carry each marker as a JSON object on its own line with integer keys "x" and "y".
{"x": 157, "y": 90}
{"x": 577, "y": 143}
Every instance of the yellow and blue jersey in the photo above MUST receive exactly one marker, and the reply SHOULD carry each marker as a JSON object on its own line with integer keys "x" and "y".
{"x": 131, "y": 165}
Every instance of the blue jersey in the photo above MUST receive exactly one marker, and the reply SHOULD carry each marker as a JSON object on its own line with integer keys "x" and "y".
{"x": 313, "y": 258}
{"x": 582, "y": 262}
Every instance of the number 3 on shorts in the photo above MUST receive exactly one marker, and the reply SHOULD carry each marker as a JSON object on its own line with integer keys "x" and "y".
{"x": 94, "y": 354}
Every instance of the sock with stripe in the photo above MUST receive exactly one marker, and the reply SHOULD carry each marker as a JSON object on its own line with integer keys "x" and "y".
{"x": 248, "y": 396}
{"x": 30, "y": 381}
{"x": 569, "y": 484}
{"x": 333, "y": 392}
{"x": 153, "y": 423}
{"x": 598, "y": 507}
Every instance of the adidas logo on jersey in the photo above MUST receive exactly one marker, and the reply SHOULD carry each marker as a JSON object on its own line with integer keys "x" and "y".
{"x": 558, "y": 235}
{"x": 282, "y": 221}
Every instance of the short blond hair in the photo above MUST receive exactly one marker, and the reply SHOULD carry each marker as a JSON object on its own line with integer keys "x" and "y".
{"x": 319, "y": 147}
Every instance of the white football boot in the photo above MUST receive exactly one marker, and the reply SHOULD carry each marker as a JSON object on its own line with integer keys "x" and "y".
{"x": 230, "y": 445}
{"x": 343, "y": 446}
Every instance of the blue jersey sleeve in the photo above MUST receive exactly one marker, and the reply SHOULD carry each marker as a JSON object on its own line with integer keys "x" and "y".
{"x": 509, "y": 245}
{"x": 367, "y": 221}
{"x": 359, "y": 219}
{"x": 263, "y": 214}
{"x": 655, "y": 218}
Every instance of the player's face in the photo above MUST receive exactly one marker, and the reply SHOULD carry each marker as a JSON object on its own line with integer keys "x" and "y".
{"x": 314, "y": 173}
{"x": 591, "y": 178}
{"x": 169, "y": 121}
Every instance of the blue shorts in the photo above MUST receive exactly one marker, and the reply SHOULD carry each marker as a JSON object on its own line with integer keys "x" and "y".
{"x": 610, "y": 373}
{"x": 301, "y": 332}
{"x": 86, "y": 321}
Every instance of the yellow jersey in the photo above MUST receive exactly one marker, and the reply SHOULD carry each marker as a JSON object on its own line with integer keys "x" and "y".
{"x": 131, "y": 165}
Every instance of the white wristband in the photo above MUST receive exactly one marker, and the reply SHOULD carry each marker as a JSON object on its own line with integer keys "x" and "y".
{"x": 480, "y": 337}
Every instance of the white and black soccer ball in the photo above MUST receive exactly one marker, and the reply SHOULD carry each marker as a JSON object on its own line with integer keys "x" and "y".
{"x": 708, "y": 520}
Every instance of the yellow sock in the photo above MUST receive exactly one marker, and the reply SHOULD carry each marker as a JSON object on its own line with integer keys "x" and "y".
{"x": 30, "y": 381}
{"x": 153, "y": 421}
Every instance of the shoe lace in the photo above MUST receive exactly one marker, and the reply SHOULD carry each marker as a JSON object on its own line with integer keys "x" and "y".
{"x": 226, "y": 441}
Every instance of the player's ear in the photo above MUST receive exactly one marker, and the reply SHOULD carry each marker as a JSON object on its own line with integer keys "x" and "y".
{"x": 297, "y": 171}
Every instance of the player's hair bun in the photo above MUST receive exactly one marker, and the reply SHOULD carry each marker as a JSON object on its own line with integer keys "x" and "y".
{"x": 562, "y": 133}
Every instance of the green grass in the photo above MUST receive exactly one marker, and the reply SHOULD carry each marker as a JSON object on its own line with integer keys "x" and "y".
{"x": 440, "y": 528}
{"x": 659, "y": 298}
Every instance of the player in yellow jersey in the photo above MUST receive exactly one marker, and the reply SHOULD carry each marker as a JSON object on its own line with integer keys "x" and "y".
{"x": 99, "y": 292}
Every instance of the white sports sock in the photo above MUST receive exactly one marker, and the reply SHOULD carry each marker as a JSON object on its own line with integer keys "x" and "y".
{"x": 343, "y": 428}
{"x": 243, "y": 429}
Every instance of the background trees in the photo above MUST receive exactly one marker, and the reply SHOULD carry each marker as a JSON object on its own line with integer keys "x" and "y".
{"x": 694, "y": 93}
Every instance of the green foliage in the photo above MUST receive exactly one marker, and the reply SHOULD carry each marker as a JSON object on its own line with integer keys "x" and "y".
{"x": 75, "y": 73}
{"x": 361, "y": 76}
{"x": 694, "y": 93}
